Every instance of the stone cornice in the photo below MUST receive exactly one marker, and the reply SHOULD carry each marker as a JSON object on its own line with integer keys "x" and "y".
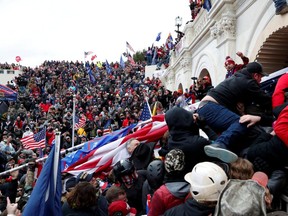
{"x": 225, "y": 27}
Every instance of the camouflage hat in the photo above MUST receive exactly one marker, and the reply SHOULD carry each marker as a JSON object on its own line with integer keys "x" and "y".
{"x": 174, "y": 160}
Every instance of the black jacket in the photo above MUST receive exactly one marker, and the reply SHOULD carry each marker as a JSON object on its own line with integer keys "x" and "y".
{"x": 190, "y": 207}
{"x": 241, "y": 87}
{"x": 268, "y": 153}
{"x": 184, "y": 135}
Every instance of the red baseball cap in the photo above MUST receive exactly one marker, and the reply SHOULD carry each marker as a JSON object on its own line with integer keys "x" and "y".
{"x": 261, "y": 178}
{"x": 120, "y": 206}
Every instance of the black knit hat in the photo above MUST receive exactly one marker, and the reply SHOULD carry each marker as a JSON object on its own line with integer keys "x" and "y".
{"x": 255, "y": 67}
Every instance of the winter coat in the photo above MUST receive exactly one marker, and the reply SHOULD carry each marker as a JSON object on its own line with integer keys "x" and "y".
{"x": 184, "y": 135}
{"x": 241, "y": 87}
{"x": 190, "y": 207}
{"x": 167, "y": 196}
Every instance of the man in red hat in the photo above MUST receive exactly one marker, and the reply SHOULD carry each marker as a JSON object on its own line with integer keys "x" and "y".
{"x": 232, "y": 67}
{"x": 120, "y": 207}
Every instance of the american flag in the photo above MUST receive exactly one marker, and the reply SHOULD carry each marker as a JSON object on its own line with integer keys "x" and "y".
{"x": 87, "y": 53}
{"x": 146, "y": 112}
{"x": 34, "y": 141}
{"x": 129, "y": 47}
{"x": 80, "y": 122}
{"x": 107, "y": 127}
{"x": 106, "y": 131}
{"x": 91, "y": 145}
{"x": 131, "y": 60}
{"x": 101, "y": 160}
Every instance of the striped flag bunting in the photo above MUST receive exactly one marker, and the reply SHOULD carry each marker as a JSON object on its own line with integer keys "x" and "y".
{"x": 101, "y": 159}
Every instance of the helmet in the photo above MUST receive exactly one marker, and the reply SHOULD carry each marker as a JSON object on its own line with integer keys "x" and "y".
{"x": 207, "y": 180}
{"x": 155, "y": 173}
{"x": 84, "y": 177}
{"x": 123, "y": 167}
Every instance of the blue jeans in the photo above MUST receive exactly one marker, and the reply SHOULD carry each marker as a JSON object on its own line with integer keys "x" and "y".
{"x": 221, "y": 119}
{"x": 279, "y": 3}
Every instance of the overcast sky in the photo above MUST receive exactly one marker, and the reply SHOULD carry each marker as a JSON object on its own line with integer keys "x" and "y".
{"x": 38, "y": 30}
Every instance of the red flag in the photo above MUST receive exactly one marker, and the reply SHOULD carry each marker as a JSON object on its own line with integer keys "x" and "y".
{"x": 93, "y": 57}
{"x": 102, "y": 159}
{"x": 34, "y": 141}
{"x": 18, "y": 59}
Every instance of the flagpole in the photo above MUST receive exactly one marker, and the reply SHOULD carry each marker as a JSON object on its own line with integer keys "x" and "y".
{"x": 73, "y": 124}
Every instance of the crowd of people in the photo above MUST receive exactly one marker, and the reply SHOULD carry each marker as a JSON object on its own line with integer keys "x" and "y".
{"x": 190, "y": 175}
{"x": 45, "y": 100}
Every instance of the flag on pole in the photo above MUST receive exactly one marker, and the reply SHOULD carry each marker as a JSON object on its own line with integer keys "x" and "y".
{"x": 107, "y": 127}
{"x": 101, "y": 160}
{"x": 87, "y": 53}
{"x": 146, "y": 112}
{"x": 122, "y": 63}
{"x": 131, "y": 60}
{"x": 108, "y": 67}
{"x": 90, "y": 74}
{"x": 80, "y": 122}
{"x": 129, "y": 47}
{"x": 34, "y": 141}
{"x": 7, "y": 94}
{"x": 93, "y": 57}
{"x": 158, "y": 38}
{"x": 45, "y": 199}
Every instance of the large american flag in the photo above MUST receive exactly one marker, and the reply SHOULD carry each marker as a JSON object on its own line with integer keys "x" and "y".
{"x": 80, "y": 122}
{"x": 34, "y": 141}
{"x": 102, "y": 159}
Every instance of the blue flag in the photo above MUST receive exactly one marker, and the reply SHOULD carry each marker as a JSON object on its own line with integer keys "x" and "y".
{"x": 90, "y": 74}
{"x": 207, "y": 5}
{"x": 146, "y": 112}
{"x": 7, "y": 94}
{"x": 158, "y": 36}
{"x": 122, "y": 63}
{"x": 45, "y": 199}
{"x": 108, "y": 68}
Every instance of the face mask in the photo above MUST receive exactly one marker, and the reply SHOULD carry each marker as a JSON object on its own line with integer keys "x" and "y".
{"x": 129, "y": 179}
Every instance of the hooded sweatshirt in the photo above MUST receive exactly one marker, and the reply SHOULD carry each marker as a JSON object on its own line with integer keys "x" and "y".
{"x": 184, "y": 135}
